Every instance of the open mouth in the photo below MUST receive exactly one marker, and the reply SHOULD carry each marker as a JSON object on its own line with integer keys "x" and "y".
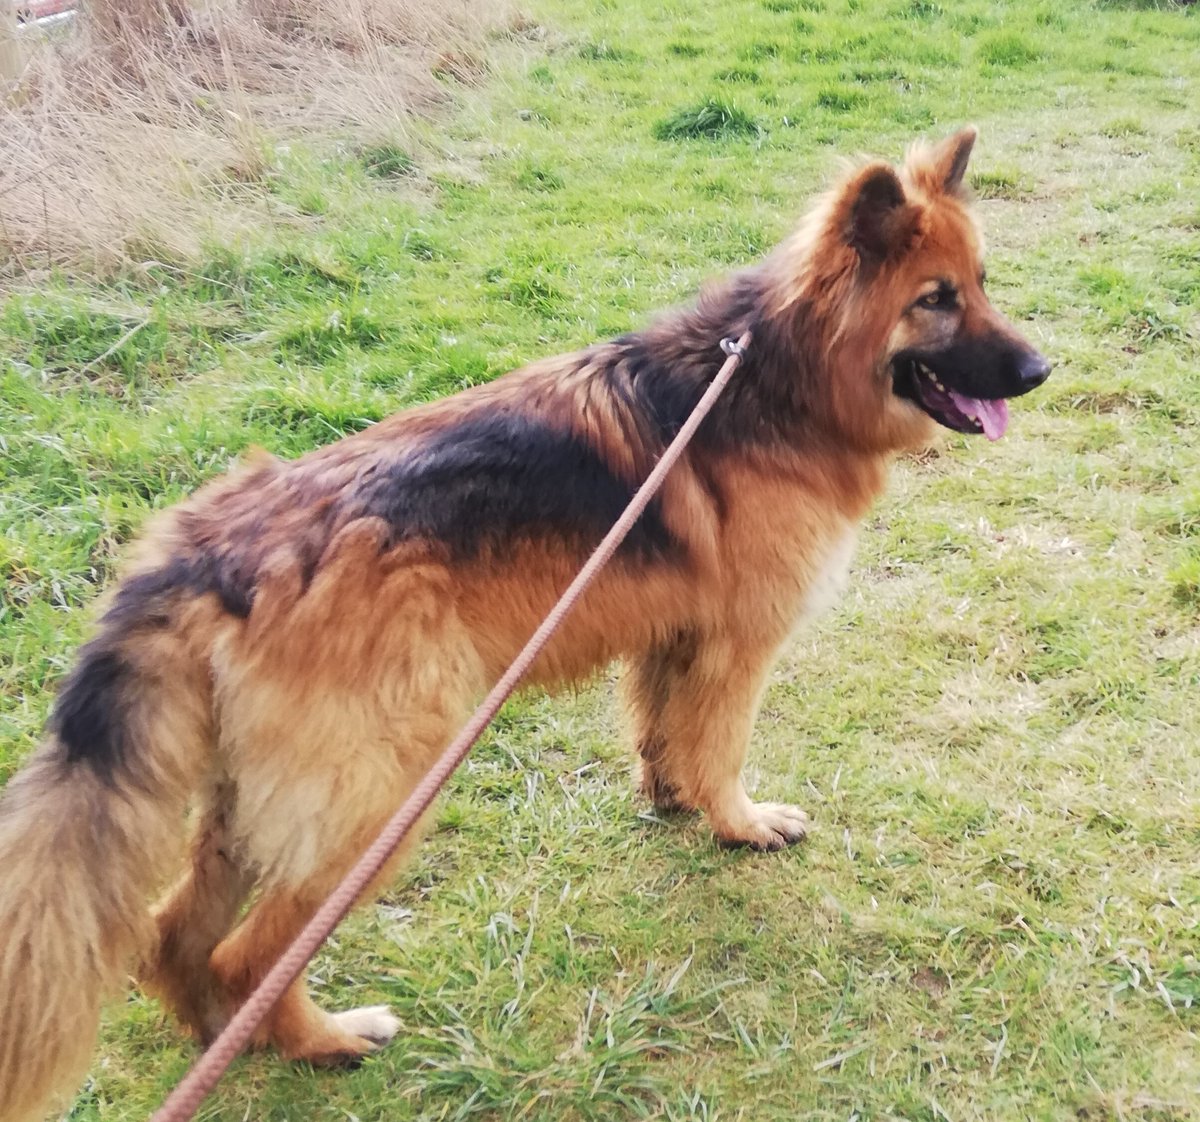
{"x": 914, "y": 381}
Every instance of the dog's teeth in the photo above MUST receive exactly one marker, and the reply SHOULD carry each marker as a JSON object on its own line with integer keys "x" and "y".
{"x": 972, "y": 417}
{"x": 939, "y": 385}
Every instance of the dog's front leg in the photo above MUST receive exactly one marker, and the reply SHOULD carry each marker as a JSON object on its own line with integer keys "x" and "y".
{"x": 692, "y": 702}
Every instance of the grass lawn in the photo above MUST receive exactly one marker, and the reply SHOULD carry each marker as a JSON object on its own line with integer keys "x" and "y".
{"x": 998, "y": 915}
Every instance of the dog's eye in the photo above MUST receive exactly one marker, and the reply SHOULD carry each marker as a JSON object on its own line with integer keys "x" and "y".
{"x": 942, "y": 300}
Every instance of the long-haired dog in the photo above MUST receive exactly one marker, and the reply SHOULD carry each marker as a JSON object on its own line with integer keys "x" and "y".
{"x": 292, "y": 647}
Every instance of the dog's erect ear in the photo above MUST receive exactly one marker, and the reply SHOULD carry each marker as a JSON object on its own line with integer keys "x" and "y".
{"x": 949, "y": 159}
{"x": 879, "y": 222}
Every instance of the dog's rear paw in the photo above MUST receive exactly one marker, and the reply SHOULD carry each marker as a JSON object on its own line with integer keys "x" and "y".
{"x": 765, "y": 826}
{"x": 373, "y": 1023}
{"x": 344, "y": 1040}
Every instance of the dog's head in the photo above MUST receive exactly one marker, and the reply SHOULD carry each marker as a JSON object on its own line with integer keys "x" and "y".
{"x": 909, "y": 284}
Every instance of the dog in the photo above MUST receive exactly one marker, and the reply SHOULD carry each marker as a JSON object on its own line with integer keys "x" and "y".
{"x": 291, "y": 648}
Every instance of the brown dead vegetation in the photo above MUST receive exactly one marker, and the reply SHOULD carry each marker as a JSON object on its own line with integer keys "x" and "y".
{"x": 148, "y": 131}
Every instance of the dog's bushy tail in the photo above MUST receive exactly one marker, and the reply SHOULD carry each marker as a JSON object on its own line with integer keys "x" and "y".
{"x": 86, "y": 832}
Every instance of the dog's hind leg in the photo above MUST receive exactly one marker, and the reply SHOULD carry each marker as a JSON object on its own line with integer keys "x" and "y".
{"x": 305, "y": 826}
{"x": 693, "y": 704}
{"x": 297, "y": 1026}
{"x": 194, "y": 917}
{"x": 331, "y": 714}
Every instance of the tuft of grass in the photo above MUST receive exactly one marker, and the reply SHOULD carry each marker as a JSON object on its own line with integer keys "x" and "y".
{"x": 610, "y": 1067}
{"x": 421, "y": 246}
{"x": 1123, "y": 127}
{"x": 921, "y": 9}
{"x": 1051, "y": 17}
{"x": 739, "y": 74}
{"x": 761, "y": 50}
{"x": 1007, "y": 50}
{"x": 387, "y": 161}
{"x": 539, "y": 179}
{"x": 713, "y": 119}
{"x": 841, "y": 99}
{"x": 1001, "y": 183}
{"x": 605, "y": 51}
{"x": 320, "y": 333}
{"x": 310, "y": 416}
{"x": 866, "y": 75}
{"x": 1185, "y": 582}
{"x": 534, "y": 292}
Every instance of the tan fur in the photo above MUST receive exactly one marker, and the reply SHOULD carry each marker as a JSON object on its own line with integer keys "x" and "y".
{"x": 77, "y": 865}
{"x": 298, "y": 720}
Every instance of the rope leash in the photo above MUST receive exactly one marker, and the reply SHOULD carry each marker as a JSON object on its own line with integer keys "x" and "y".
{"x": 181, "y": 1104}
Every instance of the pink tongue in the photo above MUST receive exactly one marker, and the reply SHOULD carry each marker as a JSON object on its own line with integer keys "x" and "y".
{"x": 992, "y": 414}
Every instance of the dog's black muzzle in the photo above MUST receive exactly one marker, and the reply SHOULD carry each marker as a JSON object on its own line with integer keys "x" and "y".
{"x": 964, "y": 386}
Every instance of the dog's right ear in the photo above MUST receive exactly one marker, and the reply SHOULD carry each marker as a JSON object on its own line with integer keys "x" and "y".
{"x": 877, "y": 220}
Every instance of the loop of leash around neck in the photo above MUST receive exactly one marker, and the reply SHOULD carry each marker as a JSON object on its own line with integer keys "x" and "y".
{"x": 181, "y": 1104}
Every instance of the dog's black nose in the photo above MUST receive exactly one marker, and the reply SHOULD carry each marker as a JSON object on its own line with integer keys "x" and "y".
{"x": 1033, "y": 369}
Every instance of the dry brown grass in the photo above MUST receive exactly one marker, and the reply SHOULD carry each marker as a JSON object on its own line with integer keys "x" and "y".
{"x": 147, "y": 133}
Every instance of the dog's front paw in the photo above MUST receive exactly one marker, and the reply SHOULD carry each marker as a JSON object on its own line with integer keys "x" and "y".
{"x": 765, "y": 826}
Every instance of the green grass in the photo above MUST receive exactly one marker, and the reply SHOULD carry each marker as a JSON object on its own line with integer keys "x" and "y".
{"x": 387, "y": 161}
{"x": 710, "y": 120}
{"x": 998, "y": 915}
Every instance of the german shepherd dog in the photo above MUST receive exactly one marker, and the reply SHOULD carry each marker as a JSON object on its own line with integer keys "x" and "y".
{"x": 291, "y": 648}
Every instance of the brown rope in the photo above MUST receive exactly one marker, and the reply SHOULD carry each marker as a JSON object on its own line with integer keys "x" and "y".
{"x": 181, "y": 1104}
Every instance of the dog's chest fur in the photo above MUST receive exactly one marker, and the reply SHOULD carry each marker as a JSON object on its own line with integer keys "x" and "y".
{"x": 830, "y": 573}
{"x": 789, "y": 549}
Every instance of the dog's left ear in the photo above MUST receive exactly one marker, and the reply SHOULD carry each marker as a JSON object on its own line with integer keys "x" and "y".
{"x": 876, "y": 218}
{"x": 949, "y": 159}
